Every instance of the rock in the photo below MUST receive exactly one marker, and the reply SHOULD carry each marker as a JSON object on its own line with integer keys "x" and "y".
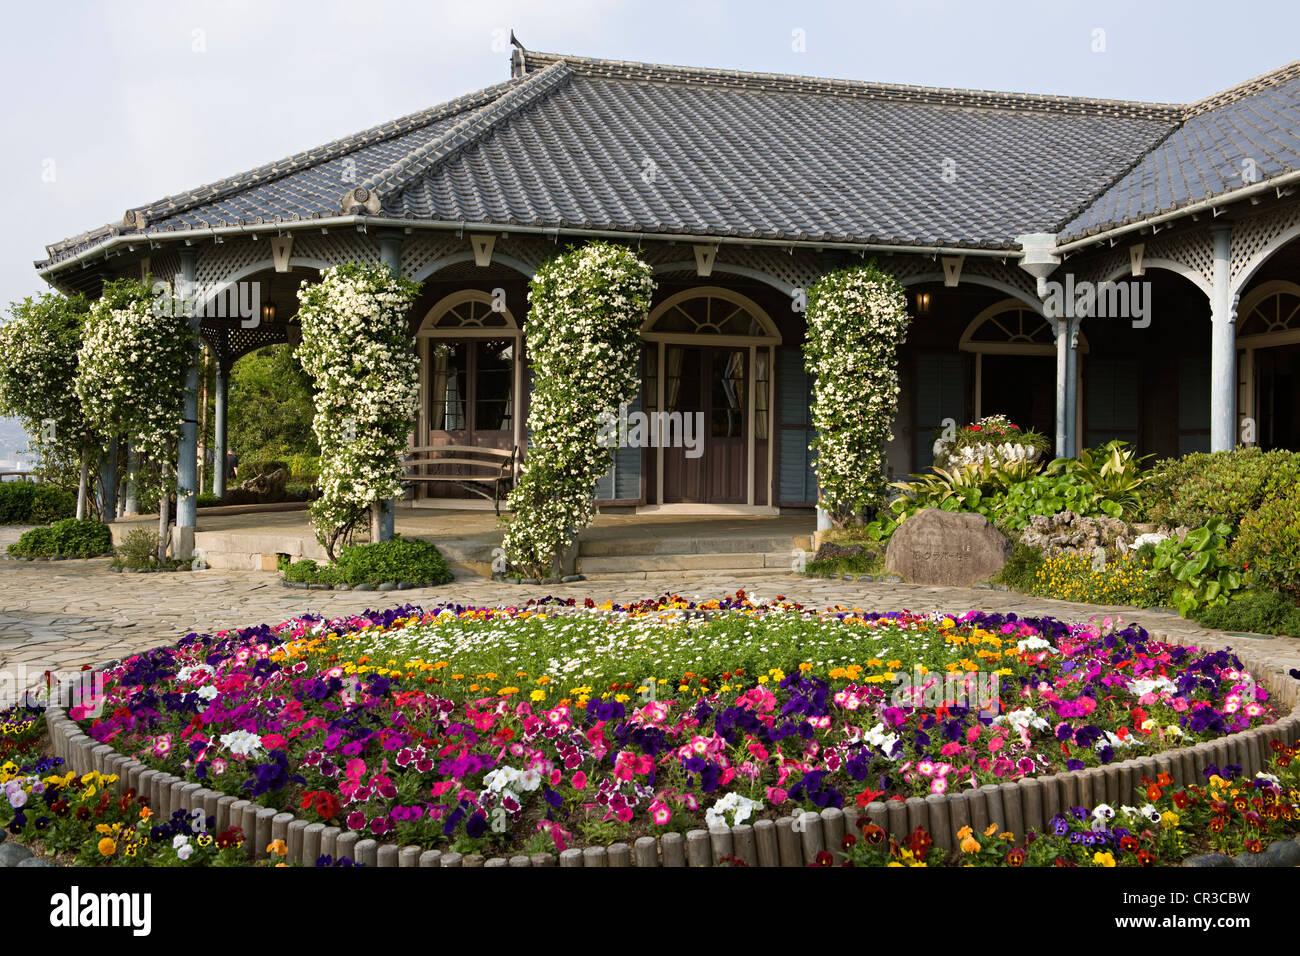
{"x": 1283, "y": 853}
{"x": 830, "y": 551}
{"x": 364, "y": 587}
{"x": 946, "y": 548}
{"x": 529, "y": 581}
{"x": 1250, "y": 859}
{"x": 342, "y": 587}
{"x": 890, "y": 579}
{"x": 1069, "y": 533}
{"x": 571, "y": 578}
{"x": 35, "y": 861}
{"x": 550, "y": 580}
{"x": 388, "y": 586}
{"x": 11, "y": 854}
{"x": 982, "y": 586}
{"x": 1208, "y": 860}
{"x": 405, "y": 586}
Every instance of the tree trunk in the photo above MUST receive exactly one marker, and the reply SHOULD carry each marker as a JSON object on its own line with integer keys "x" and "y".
{"x": 83, "y": 483}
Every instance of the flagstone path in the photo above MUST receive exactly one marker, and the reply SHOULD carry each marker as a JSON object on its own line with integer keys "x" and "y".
{"x": 60, "y": 615}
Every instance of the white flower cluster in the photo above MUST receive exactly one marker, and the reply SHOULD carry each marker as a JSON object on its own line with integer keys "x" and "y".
{"x": 38, "y": 370}
{"x": 857, "y": 318}
{"x": 1022, "y": 719}
{"x": 512, "y": 780}
{"x": 242, "y": 743}
{"x": 131, "y": 371}
{"x": 358, "y": 348}
{"x": 739, "y": 808}
{"x": 586, "y": 309}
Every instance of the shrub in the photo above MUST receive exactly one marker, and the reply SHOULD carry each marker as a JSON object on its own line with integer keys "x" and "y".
{"x": 1020, "y": 573}
{"x": 1196, "y": 488}
{"x": 307, "y": 571}
{"x": 1200, "y": 564}
{"x": 304, "y": 467}
{"x": 1268, "y": 543}
{"x": 208, "y": 500}
{"x": 139, "y": 549}
{"x": 27, "y": 502}
{"x": 1259, "y": 612}
{"x": 397, "y": 560}
{"x": 70, "y": 538}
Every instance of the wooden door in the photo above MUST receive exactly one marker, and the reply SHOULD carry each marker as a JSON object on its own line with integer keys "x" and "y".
{"x": 706, "y": 435}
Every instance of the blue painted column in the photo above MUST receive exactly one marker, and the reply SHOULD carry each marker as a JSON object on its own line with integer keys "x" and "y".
{"x": 1062, "y": 391}
{"x": 1072, "y": 387}
{"x": 1223, "y": 346}
{"x": 108, "y": 483}
{"x": 187, "y": 454}
{"x": 219, "y": 431}
{"x": 383, "y": 514}
{"x": 132, "y": 504}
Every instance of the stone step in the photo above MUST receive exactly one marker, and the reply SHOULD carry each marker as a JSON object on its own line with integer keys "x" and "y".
{"x": 659, "y": 563}
{"x": 722, "y": 544}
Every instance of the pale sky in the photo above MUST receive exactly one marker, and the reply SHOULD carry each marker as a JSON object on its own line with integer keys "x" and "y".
{"x": 121, "y": 102}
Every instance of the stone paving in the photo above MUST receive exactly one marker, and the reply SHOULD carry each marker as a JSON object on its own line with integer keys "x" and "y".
{"x": 61, "y": 615}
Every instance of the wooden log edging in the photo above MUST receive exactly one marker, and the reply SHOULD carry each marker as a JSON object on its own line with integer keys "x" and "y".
{"x": 788, "y": 841}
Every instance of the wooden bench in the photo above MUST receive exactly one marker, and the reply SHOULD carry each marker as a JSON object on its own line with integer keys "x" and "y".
{"x": 495, "y": 468}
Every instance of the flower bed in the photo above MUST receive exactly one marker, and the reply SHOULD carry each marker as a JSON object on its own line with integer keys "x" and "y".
{"x": 527, "y": 729}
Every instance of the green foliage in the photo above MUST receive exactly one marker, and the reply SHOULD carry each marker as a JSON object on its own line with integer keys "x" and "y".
{"x": 586, "y": 309}
{"x": 70, "y": 538}
{"x": 1114, "y": 471}
{"x": 1259, "y": 612}
{"x": 270, "y": 408}
{"x": 857, "y": 318}
{"x": 397, "y": 560}
{"x": 1004, "y": 495}
{"x": 29, "y": 502}
{"x": 867, "y": 561}
{"x": 207, "y": 500}
{"x": 139, "y": 549}
{"x": 1268, "y": 543}
{"x": 1020, "y": 573}
{"x": 304, "y": 467}
{"x": 1206, "y": 576}
{"x": 1191, "y": 490}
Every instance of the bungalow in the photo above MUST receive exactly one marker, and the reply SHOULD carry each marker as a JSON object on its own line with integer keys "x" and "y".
{"x": 1095, "y": 269}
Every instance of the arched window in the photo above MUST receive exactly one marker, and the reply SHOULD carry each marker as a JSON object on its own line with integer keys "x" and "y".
{"x": 1268, "y": 342}
{"x": 471, "y": 367}
{"x": 1023, "y": 388}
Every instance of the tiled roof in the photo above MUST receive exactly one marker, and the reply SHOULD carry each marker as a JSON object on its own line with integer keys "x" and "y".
{"x": 1244, "y": 135}
{"x": 584, "y": 144}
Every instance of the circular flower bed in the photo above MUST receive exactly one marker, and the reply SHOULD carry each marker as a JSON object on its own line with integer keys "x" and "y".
{"x": 534, "y": 727}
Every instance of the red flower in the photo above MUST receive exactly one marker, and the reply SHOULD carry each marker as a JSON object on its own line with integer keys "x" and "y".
{"x": 1254, "y": 846}
{"x": 1016, "y": 857}
{"x": 824, "y": 859}
{"x": 1145, "y": 858}
{"x": 848, "y": 841}
{"x": 1180, "y": 800}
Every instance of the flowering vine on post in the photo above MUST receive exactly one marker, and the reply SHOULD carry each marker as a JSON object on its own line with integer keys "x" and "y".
{"x": 131, "y": 370}
{"x": 857, "y": 318}
{"x": 586, "y": 309}
{"x": 38, "y": 369}
{"x": 357, "y": 346}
